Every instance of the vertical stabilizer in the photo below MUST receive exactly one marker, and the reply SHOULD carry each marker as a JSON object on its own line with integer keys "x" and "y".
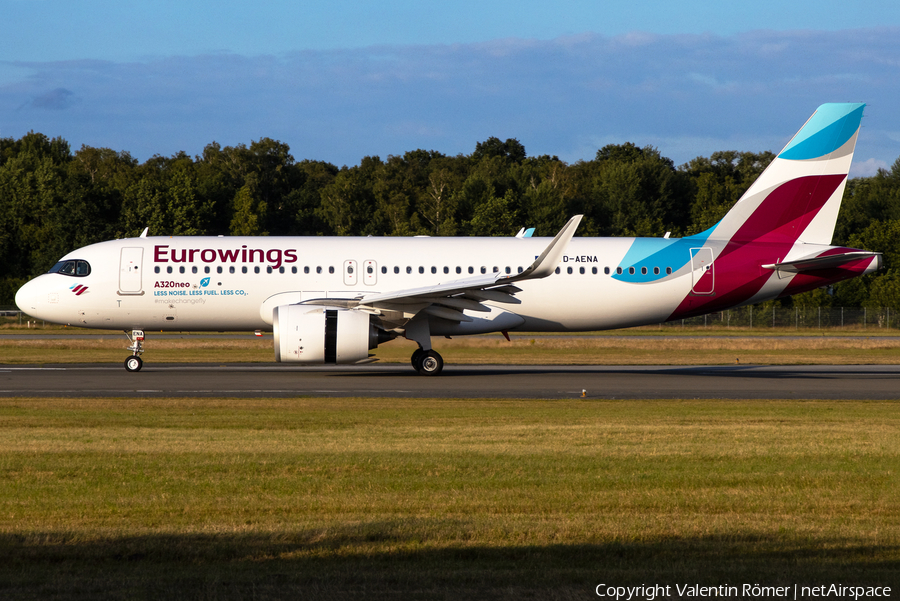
{"x": 798, "y": 196}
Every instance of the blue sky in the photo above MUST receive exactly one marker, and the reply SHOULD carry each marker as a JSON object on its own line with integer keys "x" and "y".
{"x": 342, "y": 79}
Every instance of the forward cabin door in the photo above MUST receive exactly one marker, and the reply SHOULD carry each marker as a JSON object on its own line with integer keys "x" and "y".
{"x": 130, "y": 271}
{"x": 703, "y": 275}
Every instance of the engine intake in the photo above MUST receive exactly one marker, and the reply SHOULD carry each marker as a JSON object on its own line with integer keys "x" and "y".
{"x": 321, "y": 334}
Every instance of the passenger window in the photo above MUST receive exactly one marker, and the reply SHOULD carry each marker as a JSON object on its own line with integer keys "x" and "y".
{"x": 219, "y": 269}
{"x": 306, "y": 269}
{"x": 643, "y": 271}
{"x": 318, "y": 270}
{"x": 169, "y": 269}
{"x": 594, "y": 270}
{"x": 520, "y": 269}
{"x": 331, "y": 270}
{"x": 181, "y": 269}
{"x": 581, "y": 270}
{"x": 446, "y": 269}
{"x": 156, "y": 269}
{"x": 508, "y": 270}
{"x": 483, "y": 269}
{"x": 231, "y": 269}
{"x": 244, "y": 269}
{"x": 618, "y": 271}
{"x": 557, "y": 270}
{"x": 656, "y": 271}
{"x": 471, "y": 269}
{"x": 668, "y": 271}
{"x": 606, "y": 270}
{"x": 421, "y": 269}
{"x": 569, "y": 270}
{"x": 281, "y": 270}
{"x": 206, "y": 269}
{"x": 434, "y": 269}
{"x": 631, "y": 271}
{"x": 458, "y": 269}
{"x": 383, "y": 269}
{"x": 408, "y": 269}
{"x": 396, "y": 269}
{"x": 194, "y": 269}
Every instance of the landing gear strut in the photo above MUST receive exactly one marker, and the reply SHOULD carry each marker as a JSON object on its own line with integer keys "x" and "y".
{"x": 134, "y": 362}
{"x": 427, "y": 363}
{"x": 424, "y": 360}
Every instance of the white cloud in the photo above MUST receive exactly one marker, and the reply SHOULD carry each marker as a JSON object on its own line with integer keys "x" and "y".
{"x": 867, "y": 167}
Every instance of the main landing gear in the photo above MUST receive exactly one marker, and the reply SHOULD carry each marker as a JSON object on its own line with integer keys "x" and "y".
{"x": 427, "y": 363}
{"x": 134, "y": 362}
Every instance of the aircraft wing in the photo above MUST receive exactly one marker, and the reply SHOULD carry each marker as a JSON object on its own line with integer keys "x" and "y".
{"x": 449, "y": 299}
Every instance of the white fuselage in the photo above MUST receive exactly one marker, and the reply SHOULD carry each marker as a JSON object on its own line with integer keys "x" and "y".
{"x": 221, "y": 283}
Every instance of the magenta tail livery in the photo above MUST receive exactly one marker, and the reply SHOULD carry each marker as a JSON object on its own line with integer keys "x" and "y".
{"x": 332, "y": 300}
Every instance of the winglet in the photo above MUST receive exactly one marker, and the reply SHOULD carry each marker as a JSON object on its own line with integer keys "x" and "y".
{"x": 546, "y": 264}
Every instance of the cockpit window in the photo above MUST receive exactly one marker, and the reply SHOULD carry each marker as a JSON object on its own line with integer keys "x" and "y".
{"x": 72, "y": 267}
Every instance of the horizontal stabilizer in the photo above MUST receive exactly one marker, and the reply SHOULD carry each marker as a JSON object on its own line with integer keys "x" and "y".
{"x": 827, "y": 262}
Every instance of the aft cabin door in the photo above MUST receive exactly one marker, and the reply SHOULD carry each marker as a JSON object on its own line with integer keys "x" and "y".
{"x": 703, "y": 275}
{"x": 130, "y": 269}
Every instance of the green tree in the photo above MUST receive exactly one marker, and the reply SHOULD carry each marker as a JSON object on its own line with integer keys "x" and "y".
{"x": 496, "y": 217}
{"x": 249, "y": 213}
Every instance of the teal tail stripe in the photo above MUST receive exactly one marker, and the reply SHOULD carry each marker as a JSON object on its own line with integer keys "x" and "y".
{"x": 827, "y": 130}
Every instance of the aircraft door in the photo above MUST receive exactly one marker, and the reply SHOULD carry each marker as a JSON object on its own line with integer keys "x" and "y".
{"x": 130, "y": 269}
{"x": 703, "y": 276}
{"x": 370, "y": 273}
{"x": 350, "y": 274}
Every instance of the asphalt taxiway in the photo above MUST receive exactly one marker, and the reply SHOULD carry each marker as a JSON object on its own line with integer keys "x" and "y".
{"x": 864, "y": 382}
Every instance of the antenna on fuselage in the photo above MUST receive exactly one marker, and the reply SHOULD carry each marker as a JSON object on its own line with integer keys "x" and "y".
{"x": 144, "y": 233}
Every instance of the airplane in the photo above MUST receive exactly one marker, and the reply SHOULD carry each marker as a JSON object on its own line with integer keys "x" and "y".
{"x": 330, "y": 300}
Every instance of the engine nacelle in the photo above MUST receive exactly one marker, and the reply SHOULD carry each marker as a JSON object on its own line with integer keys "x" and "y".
{"x": 319, "y": 334}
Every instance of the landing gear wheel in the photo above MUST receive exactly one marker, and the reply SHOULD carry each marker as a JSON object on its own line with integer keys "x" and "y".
{"x": 429, "y": 363}
{"x": 134, "y": 363}
{"x": 416, "y": 357}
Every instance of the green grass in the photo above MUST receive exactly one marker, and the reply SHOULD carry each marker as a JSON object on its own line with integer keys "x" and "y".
{"x": 522, "y": 350}
{"x": 440, "y": 499}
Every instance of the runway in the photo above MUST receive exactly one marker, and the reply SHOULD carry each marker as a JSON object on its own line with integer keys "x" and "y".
{"x": 863, "y": 382}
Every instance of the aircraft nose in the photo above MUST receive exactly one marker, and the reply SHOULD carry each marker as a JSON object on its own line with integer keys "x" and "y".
{"x": 23, "y": 297}
{"x": 33, "y": 298}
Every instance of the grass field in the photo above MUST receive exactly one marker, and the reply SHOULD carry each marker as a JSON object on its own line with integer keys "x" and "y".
{"x": 441, "y": 499}
{"x": 643, "y": 349}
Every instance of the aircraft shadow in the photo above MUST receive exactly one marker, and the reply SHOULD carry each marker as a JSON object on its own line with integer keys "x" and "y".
{"x": 392, "y": 560}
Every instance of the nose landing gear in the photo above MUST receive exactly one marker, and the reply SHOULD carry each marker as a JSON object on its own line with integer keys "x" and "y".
{"x": 134, "y": 362}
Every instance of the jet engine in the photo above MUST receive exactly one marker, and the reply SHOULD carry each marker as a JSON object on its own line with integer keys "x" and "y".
{"x": 321, "y": 334}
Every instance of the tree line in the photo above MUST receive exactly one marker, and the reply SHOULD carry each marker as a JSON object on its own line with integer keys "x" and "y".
{"x": 53, "y": 200}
